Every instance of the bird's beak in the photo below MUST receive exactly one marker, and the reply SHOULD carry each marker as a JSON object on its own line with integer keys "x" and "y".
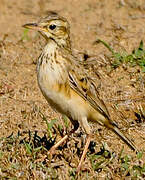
{"x": 34, "y": 26}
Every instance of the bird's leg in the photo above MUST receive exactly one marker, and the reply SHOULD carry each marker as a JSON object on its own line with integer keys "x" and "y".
{"x": 86, "y": 127}
{"x": 76, "y": 125}
{"x": 53, "y": 148}
{"x": 84, "y": 152}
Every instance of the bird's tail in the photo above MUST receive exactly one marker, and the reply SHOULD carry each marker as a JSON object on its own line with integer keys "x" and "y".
{"x": 124, "y": 138}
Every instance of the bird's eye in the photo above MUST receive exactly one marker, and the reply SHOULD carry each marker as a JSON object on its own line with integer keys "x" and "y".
{"x": 52, "y": 26}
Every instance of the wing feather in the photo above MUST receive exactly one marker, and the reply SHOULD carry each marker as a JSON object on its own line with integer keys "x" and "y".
{"x": 83, "y": 85}
{"x": 87, "y": 91}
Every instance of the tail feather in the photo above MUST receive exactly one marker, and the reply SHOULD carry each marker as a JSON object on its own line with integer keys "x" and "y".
{"x": 124, "y": 138}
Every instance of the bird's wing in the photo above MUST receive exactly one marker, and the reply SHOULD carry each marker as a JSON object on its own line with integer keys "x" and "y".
{"x": 83, "y": 85}
{"x": 87, "y": 90}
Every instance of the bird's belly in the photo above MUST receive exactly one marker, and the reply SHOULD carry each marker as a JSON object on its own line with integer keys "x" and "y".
{"x": 66, "y": 101}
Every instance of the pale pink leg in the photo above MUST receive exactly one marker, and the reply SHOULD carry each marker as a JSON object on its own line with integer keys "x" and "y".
{"x": 52, "y": 150}
{"x": 86, "y": 127}
{"x": 84, "y": 152}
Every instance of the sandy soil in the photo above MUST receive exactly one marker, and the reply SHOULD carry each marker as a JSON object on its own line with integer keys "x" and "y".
{"x": 120, "y": 23}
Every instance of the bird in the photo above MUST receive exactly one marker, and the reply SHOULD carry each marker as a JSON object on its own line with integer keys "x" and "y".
{"x": 66, "y": 85}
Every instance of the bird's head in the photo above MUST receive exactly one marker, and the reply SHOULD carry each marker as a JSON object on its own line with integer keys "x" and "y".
{"x": 53, "y": 27}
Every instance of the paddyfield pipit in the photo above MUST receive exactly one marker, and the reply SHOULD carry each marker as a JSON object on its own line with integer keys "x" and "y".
{"x": 64, "y": 82}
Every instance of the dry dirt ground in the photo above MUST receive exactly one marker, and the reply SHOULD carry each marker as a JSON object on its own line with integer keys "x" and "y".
{"x": 24, "y": 111}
